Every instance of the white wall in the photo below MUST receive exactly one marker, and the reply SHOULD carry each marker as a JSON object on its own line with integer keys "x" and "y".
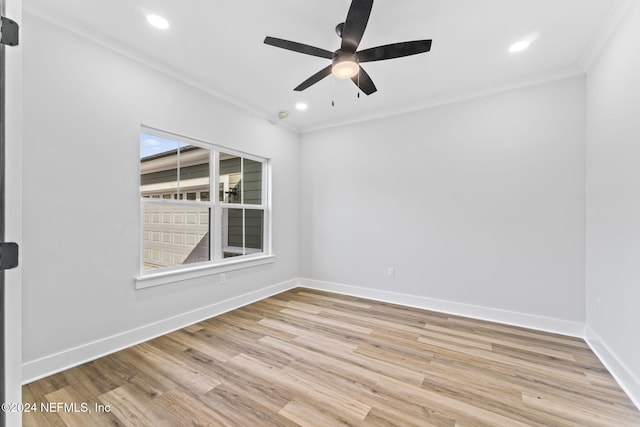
{"x": 613, "y": 204}
{"x": 83, "y": 107}
{"x": 479, "y": 202}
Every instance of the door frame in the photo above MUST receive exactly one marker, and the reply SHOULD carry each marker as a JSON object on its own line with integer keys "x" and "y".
{"x": 13, "y": 215}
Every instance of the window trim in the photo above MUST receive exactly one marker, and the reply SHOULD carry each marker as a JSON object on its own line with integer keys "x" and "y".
{"x": 173, "y": 275}
{"x": 216, "y": 264}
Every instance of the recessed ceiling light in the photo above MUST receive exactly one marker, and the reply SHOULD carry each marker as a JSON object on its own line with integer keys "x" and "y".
{"x": 301, "y": 106}
{"x": 523, "y": 44}
{"x": 158, "y": 21}
{"x": 519, "y": 46}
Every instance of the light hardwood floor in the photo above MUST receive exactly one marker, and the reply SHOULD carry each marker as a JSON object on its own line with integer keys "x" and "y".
{"x": 313, "y": 358}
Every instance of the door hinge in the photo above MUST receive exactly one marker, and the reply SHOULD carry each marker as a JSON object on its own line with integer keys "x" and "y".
{"x": 9, "y": 30}
{"x": 8, "y": 255}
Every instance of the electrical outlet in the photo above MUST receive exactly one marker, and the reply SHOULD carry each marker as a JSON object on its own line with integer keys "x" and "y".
{"x": 391, "y": 272}
{"x": 223, "y": 279}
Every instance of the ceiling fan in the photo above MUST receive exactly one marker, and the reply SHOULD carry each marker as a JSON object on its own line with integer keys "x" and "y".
{"x": 345, "y": 62}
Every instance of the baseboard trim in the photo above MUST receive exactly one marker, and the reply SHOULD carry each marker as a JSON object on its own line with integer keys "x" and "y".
{"x": 629, "y": 383}
{"x": 541, "y": 323}
{"x": 48, "y": 365}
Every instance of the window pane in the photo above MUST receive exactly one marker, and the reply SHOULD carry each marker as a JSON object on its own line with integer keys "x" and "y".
{"x": 174, "y": 235}
{"x": 242, "y": 232}
{"x": 230, "y": 178}
{"x": 231, "y": 232}
{"x": 194, "y": 171}
{"x": 252, "y": 172}
{"x": 158, "y": 165}
{"x": 204, "y": 196}
{"x": 253, "y": 230}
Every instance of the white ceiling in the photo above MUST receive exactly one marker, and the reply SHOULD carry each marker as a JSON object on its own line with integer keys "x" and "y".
{"x": 218, "y": 45}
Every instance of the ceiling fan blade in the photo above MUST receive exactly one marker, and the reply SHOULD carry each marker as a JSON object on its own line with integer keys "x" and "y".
{"x": 394, "y": 50}
{"x": 314, "y": 79}
{"x": 355, "y": 24}
{"x": 298, "y": 47}
{"x": 364, "y": 82}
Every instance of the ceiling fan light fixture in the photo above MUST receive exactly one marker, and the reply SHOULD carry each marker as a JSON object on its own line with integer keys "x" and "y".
{"x": 345, "y": 66}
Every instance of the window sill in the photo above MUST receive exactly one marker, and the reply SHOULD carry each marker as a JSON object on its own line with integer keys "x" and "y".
{"x": 162, "y": 278}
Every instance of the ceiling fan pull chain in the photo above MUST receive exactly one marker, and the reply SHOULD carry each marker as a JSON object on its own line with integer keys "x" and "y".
{"x": 333, "y": 93}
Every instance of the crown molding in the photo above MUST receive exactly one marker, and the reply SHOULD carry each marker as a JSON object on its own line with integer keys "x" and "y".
{"x": 608, "y": 27}
{"x": 447, "y": 100}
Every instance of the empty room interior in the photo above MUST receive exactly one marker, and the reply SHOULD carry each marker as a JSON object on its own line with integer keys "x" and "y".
{"x": 326, "y": 213}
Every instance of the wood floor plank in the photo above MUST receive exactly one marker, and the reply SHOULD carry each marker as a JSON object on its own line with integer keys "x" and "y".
{"x": 243, "y": 410}
{"x": 79, "y": 400}
{"x": 463, "y": 411}
{"x": 336, "y": 325}
{"x": 191, "y": 340}
{"x": 262, "y": 392}
{"x": 147, "y": 379}
{"x": 393, "y": 417}
{"x": 305, "y": 414}
{"x": 312, "y": 358}
{"x": 574, "y": 413}
{"x": 535, "y": 347}
{"x": 38, "y": 418}
{"x": 189, "y": 410}
{"x": 177, "y": 370}
{"x": 356, "y": 380}
{"x": 542, "y": 367}
{"x": 133, "y": 409}
{"x": 340, "y": 403}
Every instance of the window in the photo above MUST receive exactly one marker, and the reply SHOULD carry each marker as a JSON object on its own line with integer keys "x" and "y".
{"x": 240, "y": 196}
{"x": 182, "y": 226}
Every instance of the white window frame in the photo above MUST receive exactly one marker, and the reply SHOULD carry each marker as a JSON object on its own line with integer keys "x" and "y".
{"x": 217, "y": 263}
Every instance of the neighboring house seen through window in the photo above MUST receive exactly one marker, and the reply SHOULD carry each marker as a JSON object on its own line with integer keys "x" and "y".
{"x": 184, "y": 222}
